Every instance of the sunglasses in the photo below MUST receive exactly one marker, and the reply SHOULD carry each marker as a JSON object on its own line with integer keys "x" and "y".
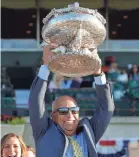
{"x": 65, "y": 110}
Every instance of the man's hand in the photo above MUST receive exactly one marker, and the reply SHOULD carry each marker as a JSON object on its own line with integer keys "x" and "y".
{"x": 47, "y": 53}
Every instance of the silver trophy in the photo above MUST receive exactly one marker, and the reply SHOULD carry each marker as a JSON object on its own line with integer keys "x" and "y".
{"x": 77, "y": 32}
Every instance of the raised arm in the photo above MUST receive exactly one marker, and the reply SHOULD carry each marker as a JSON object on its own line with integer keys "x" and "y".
{"x": 38, "y": 114}
{"x": 104, "y": 109}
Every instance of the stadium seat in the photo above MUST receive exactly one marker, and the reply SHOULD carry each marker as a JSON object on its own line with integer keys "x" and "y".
{"x": 8, "y": 102}
{"x": 61, "y": 92}
{"x": 122, "y": 108}
{"x": 136, "y": 104}
{"x": 49, "y": 97}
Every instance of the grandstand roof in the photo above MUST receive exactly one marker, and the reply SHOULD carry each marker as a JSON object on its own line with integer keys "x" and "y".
{"x": 115, "y": 4}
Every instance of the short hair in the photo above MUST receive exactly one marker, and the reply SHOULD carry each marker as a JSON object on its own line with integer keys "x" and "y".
{"x": 29, "y": 148}
{"x": 10, "y": 135}
{"x": 55, "y": 101}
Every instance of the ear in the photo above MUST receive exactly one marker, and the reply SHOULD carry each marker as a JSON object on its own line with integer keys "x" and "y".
{"x": 52, "y": 115}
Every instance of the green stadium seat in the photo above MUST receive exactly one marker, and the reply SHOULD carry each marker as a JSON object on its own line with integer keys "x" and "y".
{"x": 122, "y": 108}
{"x": 61, "y": 92}
{"x": 86, "y": 99}
{"x": 118, "y": 86}
{"x": 133, "y": 84}
{"x": 136, "y": 104}
{"x": 49, "y": 97}
{"x": 8, "y": 102}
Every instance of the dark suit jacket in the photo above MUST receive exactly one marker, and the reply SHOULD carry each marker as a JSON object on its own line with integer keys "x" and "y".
{"x": 50, "y": 139}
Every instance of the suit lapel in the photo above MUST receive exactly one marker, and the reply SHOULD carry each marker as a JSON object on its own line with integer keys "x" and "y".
{"x": 89, "y": 136}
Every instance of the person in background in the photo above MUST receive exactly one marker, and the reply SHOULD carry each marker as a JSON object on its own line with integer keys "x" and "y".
{"x": 56, "y": 82}
{"x": 63, "y": 134}
{"x": 12, "y": 145}
{"x": 30, "y": 151}
{"x": 122, "y": 77}
{"x": 134, "y": 73}
{"x": 76, "y": 82}
{"x": 59, "y": 82}
{"x": 113, "y": 72}
{"x": 66, "y": 83}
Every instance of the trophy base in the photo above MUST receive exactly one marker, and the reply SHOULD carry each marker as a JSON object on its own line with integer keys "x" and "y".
{"x": 74, "y": 65}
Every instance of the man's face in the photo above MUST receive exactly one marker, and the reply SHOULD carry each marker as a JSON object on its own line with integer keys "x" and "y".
{"x": 69, "y": 121}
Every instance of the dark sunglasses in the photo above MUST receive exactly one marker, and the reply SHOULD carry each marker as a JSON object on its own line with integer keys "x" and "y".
{"x": 65, "y": 110}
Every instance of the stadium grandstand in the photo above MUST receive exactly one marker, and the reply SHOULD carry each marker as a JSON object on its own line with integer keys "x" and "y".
{"x": 21, "y": 57}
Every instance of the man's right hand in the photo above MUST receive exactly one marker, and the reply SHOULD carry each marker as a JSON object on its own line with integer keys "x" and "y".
{"x": 47, "y": 53}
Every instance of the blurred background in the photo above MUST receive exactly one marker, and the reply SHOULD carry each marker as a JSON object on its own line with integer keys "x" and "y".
{"x": 21, "y": 24}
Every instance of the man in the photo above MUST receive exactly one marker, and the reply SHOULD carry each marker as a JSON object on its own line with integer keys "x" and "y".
{"x": 64, "y": 135}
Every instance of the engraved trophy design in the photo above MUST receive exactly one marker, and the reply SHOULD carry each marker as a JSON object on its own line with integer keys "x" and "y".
{"x": 78, "y": 32}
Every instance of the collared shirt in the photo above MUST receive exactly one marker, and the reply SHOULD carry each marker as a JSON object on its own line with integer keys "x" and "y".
{"x": 80, "y": 139}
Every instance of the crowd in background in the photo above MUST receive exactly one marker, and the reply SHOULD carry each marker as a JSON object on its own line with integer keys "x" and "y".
{"x": 114, "y": 74}
{"x": 120, "y": 78}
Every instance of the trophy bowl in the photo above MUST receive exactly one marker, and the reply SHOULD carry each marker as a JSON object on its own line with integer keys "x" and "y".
{"x": 77, "y": 32}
